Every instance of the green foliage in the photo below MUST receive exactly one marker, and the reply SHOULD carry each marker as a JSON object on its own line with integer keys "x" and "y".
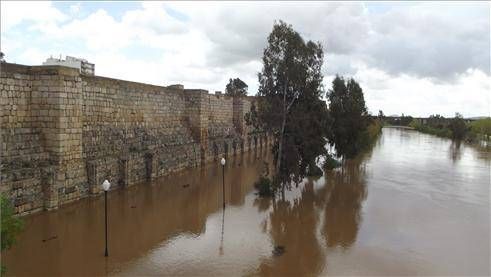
{"x": 415, "y": 124}
{"x": 252, "y": 118}
{"x": 405, "y": 120}
{"x": 436, "y": 121}
{"x": 381, "y": 115}
{"x": 236, "y": 87}
{"x": 458, "y": 127}
{"x": 10, "y": 226}
{"x": 289, "y": 103}
{"x": 349, "y": 115}
{"x": 314, "y": 171}
{"x": 373, "y": 130}
{"x": 481, "y": 128}
{"x": 264, "y": 187}
{"x": 331, "y": 163}
{"x": 428, "y": 129}
{"x": 399, "y": 121}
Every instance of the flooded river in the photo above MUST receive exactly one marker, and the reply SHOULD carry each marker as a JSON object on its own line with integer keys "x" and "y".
{"x": 414, "y": 205}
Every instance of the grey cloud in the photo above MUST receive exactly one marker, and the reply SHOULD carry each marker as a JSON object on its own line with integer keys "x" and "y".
{"x": 430, "y": 45}
{"x": 338, "y": 64}
{"x": 424, "y": 40}
{"x": 239, "y": 32}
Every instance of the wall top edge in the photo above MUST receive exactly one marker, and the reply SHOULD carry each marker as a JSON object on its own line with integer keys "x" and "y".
{"x": 13, "y": 68}
{"x": 39, "y": 69}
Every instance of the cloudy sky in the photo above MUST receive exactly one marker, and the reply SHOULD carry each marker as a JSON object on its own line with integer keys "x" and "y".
{"x": 412, "y": 58}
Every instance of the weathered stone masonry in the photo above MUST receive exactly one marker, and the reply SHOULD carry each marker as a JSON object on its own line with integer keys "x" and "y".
{"x": 63, "y": 133}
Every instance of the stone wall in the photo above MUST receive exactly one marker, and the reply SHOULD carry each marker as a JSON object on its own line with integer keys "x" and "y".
{"x": 22, "y": 153}
{"x": 63, "y": 133}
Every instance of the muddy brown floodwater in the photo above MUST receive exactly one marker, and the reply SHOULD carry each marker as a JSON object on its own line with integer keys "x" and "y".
{"x": 414, "y": 205}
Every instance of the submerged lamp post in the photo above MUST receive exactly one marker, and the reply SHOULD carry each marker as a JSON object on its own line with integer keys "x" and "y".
{"x": 105, "y": 187}
{"x": 223, "y": 180}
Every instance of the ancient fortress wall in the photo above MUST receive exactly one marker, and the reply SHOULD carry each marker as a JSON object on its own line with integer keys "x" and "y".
{"x": 63, "y": 133}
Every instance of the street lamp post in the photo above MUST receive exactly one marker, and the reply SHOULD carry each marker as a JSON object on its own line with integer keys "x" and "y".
{"x": 223, "y": 180}
{"x": 105, "y": 185}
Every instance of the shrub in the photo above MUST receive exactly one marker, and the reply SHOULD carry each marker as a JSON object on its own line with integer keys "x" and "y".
{"x": 481, "y": 128}
{"x": 415, "y": 124}
{"x": 10, "y": 226}
{"x": 441, "y": 132}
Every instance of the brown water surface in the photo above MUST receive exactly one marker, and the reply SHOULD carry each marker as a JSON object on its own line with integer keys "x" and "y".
{"x": 414, "y": 205}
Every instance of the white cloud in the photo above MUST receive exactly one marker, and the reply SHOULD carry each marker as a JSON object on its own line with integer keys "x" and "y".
{"x": 75, "y": 9}
{"x": 33, "y": 54}
{"x": 37, "y": 12}
{"x": 469, "y": 94}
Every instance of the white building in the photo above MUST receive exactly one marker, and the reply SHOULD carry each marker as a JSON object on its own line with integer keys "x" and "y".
{"x": 82, "y": 65}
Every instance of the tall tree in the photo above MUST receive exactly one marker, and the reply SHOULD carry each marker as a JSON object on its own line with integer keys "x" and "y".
{"x": 289, "y": 101}
{"x": 236, "y": 87}
{"x": 349, "y": 115}
{"x": 458, "y": 127}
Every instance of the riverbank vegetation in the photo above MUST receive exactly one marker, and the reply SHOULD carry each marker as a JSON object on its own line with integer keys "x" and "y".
{"x": 431, "y": 129}
{"x": 396, "y": 121}
{"x": 457, "y": 128}
{"x": 481, "y": 129}
{"x": 374, "y": 130}
{"x": 291, "y": 106}
{"x": 10, "y": 226}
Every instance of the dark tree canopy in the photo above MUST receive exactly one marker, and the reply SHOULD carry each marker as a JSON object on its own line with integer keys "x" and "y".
{"x": 236, "y": 87}
{"x": 436, "y": 121}
{"x": 349, "y": 115}
{"x": 458, "y": 127}
{"x": 289, "y": 101}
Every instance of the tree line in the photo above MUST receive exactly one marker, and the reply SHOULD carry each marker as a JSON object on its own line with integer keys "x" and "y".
{"x": 456, "y": 128}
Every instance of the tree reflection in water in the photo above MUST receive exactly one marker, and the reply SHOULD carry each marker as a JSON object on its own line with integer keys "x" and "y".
{"x": 292, "y": 225}
{"x": 455, "y": 152}
{"x": 346, "y": 190}
{"x": 311, "y": 214}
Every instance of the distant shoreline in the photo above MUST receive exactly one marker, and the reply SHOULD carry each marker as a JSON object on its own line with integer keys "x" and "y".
{"x": 398, "y": 126}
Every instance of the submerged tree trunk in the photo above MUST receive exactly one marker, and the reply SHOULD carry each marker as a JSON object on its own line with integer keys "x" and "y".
{"x": 282, "y": 132}
{"x": 280, "y": 144}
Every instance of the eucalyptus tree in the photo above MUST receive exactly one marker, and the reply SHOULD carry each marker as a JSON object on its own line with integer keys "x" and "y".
{"x": 349, "y": 115}
{"x": 290, "y": 103}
